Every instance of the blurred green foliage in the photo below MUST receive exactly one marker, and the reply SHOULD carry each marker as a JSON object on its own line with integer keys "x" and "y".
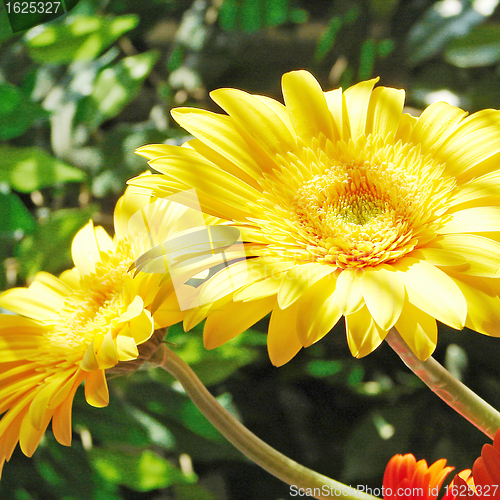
{"x": 79, "y": 94}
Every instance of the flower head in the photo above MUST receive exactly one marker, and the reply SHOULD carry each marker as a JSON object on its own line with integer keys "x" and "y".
{"x": 406, "y": 478}
{"x": 72, "y": 329}
{"x": 486, "y": 471}
{"x": 349, "y": 208}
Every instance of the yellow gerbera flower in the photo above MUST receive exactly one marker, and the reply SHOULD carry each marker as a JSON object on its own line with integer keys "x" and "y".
{"x": 353, "y": 209}
{"x": 73, "y": 328}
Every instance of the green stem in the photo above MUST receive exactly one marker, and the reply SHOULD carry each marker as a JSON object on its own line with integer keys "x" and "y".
{"x": 448, "y": 388}
{"x": 296, "y": 475}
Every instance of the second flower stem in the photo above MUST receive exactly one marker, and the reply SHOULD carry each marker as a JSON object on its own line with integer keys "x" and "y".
{"x": 457, "y": 395}
{"x": 296, "y": 475}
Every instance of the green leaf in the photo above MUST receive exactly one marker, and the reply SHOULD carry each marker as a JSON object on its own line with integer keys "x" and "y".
{"x": 15, "y": 217}
{"x": 84, "y": 38}
{"x": 433, "y": 31}
{"x": 275, "y": 12}
{"x": 228, "y": 15}
{"x": 143, "y": 471}
{"x": 29, "y": 169}
{"x": 251, "y": 15}
{"x": 49, "y": 247}
{"x": 481, "y": 47}
{"x": 114, "y": 88}
{"x": 17, "y": 112}
{"x": 327, "y": 39}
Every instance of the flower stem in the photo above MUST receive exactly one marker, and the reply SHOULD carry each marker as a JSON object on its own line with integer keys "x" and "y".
{"x": 457, "y": 395}
{"x": 314, "y": 484}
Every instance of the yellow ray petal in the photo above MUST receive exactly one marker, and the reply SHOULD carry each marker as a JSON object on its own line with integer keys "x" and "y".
{"x": 126, "y": 348}
{"x": 280, "y": 111}
{"x": 225, "y": 163}
{"x": 89, "y": 361}
{"x": 61, "y": 421}
{"x": 418, "y": 329}
{"x": 168, "y": 313}
{"x": 357, "y": 100}
{"x": 363, "y": 334}
{"x": 255, "y": 118}
{"x": 104, "y": 241}
{"x": 479, "y": 190}
{"x": 433, "y": 291}
{"x": 129, "y": 204}
{"x": 282, "y": 340}
{"x": 482, "y": 254}
{"x": 22, "y": 301}
{"x": 317, "y": 311}
{"x": 307, "y": 106}
{"x": 40, "y": 404}
{"x": 234, "y": 318}
{"x": 107, "y": 355}
{"x": 405, "y": 128}
{"x": 348, "y": 292}
{"x": 71, "y": 278}
{"x": 84, "y": 250}
{"x": 259, "y": 289}
{"x": 435, "y": 124}
{"x": 384, "y": 111}
{"x": 340, "y": 119}
{"x": 437, "y": 256}
{"x": 96, "y": 389}
{"x": 29, "y": 437}
{"x": 218, "y": 133}
{"x": 298, "y": 279}
{"x": 472, "y": 220}
{"x": 473, "y": 141}
{"x": 483, "y": 304}
{"x": 55, "y": 284}
{"x": 384, "y": 295}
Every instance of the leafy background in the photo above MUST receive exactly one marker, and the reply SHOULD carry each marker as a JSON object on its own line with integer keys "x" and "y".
{"x": 79, "y": 94}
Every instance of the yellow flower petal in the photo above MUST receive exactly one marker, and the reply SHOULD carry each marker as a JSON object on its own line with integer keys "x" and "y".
{"x": 298, "y": 279}
{"x": 418, "y": 329}
{"x": 433, "y": 291}
{"x": 473, "y": 220}
{"x": 482, "y": 255}
{"x": 234, "y": 318}
{"x": 435, "y": 124}
{"x": 348, "y": 293}
{"x": 384, "y": 295}
{"x": 251, "y": 114}
{"x": 317, "y": 311}
{"x": 25, "y": 302}
{"x": 29, "y": 437}
{"x": 363, "y": 334}
{"x": 61, "y": 421}
{"x": 307, "y": 106}
{"x": 85, "y": 250}
{"x": 384, "y": 111}
{"x": 483, "y": 304}
{"x": 107, "y": 354}
{"x": 96, "y": 389}
{"x": 357, "y": 99}
{"x": 219, "y": 134}
{"x": 282, "y": 341}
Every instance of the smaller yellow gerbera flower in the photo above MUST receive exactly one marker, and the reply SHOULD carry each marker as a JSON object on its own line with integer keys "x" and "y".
{"x": 73, "y": 328}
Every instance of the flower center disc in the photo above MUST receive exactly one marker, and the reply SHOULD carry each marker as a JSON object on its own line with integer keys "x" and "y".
{"x": 356, "y": 204}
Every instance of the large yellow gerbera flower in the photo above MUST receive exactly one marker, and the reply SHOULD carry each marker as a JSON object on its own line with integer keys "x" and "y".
{"x": 353, "y": 209}
{"x": 73, "y": 328}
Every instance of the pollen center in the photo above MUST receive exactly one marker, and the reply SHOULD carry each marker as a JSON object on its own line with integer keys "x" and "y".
{"x": 356, "y": 204}
{"x": 93, "y": 307}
